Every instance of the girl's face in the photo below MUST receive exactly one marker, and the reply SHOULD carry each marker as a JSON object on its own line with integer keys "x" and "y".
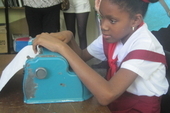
{"x": 116, "y": 24}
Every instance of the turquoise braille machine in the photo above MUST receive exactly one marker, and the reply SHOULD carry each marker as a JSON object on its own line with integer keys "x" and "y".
{"x": 48, "y": 78}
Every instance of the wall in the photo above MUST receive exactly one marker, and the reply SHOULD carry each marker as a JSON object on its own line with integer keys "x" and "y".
{"x": 2, "y": 15}
{"x": 17, "y": 21}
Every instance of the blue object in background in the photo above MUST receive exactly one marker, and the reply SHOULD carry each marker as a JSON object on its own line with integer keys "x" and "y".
{"x": 157, "y": 17}
{"x": 20, "y": 43}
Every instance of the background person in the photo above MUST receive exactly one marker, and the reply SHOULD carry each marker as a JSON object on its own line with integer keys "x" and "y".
{"x": 78, "y": 12}
{"x": 42, "y": 16}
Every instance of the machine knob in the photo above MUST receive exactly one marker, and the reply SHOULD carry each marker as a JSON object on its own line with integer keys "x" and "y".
{"x": 41, "y": 73}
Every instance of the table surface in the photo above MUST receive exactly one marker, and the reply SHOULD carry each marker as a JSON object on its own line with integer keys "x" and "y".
{"x": 11, "y": 98}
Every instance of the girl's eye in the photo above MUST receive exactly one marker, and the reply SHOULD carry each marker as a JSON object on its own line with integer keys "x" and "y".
{"x": 113, "y": 21}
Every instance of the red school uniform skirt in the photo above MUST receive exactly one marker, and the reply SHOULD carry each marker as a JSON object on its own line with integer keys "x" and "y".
{"x": 130, "y": 103}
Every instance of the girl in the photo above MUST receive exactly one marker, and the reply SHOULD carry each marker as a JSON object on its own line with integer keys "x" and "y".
{"x": 136, "y": 77}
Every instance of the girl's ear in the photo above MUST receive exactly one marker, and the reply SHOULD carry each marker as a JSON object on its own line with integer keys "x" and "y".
{"x": 138, "y": 19}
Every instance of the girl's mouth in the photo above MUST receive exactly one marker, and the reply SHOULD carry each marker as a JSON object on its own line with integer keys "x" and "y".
{"x": 106, "y": 37}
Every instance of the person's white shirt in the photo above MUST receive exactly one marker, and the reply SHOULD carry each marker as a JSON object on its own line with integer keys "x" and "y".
{"x": 79, "y": 6}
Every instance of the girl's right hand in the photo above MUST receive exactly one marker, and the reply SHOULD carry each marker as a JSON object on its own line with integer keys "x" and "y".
{"x": 53, "y": 42}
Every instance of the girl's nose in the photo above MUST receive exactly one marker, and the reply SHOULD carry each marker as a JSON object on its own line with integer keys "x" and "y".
{"x": 104, "y": 25}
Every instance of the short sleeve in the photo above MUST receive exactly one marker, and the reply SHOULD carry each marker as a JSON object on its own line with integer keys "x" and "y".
{"x": 96, "y": 49}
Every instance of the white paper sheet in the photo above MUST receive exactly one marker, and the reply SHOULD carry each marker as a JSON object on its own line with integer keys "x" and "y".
{"x": 16, "y": 64}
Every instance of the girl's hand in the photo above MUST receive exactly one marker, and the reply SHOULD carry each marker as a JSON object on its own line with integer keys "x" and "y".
{"x": 54, "y": 41}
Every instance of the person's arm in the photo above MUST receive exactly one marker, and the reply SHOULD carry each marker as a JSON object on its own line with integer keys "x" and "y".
{"x": 104, "y": 91}
{"x": 84, "y": 54}
{"x": 66, "y": 37}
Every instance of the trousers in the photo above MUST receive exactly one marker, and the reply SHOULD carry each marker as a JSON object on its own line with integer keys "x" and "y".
{"x": 43, "y": 19}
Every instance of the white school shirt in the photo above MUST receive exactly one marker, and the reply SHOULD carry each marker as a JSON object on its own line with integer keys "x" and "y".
{"x": 79, "y": 6}
{"x": 151, "y": 80}
{"x": 41, "y": 3}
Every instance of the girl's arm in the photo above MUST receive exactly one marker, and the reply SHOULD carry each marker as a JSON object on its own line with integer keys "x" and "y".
{"x": 66, "y": 37}
{"x": 105, "y": 91}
